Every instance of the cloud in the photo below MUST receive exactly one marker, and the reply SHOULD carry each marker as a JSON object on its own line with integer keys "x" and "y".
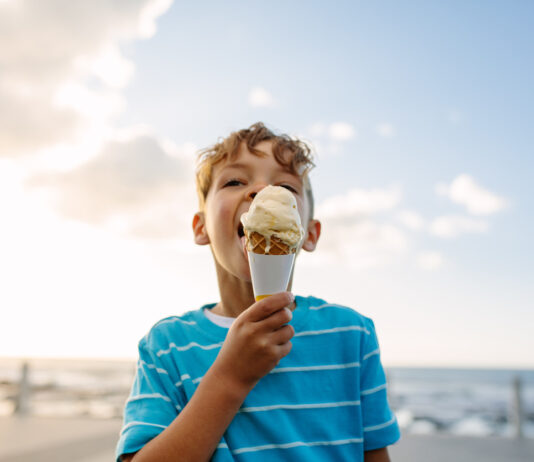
{"x": 386, "y": 130}
{"x": 410, "y": 219}
{"x": 465, "y": 191}
{"x": 453, "y": 225}
{"x": 260, "y": 97}
{"x": 109, "y": 66}
{"x": 85, "y": 103}
{"x": 25, "y": 126}
{"x": 352, "y": 236}
{"x": 329, "y": 139}
{"x": 358, "y": 202}
{"x": 360, "y": 245}
{"x": 53, "y": 48}
{"x": 430, "y": 260}
{"x": 133, "y": 184}
{"x": 341, "y": 131}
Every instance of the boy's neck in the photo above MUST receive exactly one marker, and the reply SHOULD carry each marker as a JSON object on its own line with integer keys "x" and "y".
{"x": 236, "y": 295}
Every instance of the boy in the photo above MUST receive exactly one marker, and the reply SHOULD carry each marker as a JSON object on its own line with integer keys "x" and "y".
{"x": 284, "y": 378}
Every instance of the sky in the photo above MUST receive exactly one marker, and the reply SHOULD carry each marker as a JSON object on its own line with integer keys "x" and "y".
{"x": 419, "y": 114}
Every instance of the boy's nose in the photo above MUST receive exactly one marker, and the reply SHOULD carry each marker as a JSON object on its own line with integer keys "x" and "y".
{"x": 255, "y": 190}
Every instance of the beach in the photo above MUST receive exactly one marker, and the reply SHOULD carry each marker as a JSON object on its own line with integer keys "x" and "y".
{"x": 31, "y": 439}
{"x": 72, "y": 412}
{"x": 46, "y": 439}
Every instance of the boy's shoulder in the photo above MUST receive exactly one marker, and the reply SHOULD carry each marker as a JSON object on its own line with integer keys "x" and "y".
{"x": 170, "y": 328}
{"x": 324, "y": 311}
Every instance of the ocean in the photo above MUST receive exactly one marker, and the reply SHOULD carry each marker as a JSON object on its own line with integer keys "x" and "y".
{"x": 470, "y": 402}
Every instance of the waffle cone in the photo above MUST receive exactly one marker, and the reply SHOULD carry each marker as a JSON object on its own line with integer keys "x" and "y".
{"x": 257, "y": 243}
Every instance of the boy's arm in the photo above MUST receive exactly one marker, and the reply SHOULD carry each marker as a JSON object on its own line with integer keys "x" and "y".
{"x": 196, "y": 431}
{"x": 377, "y": 455}
{"x": 255, "y": 343}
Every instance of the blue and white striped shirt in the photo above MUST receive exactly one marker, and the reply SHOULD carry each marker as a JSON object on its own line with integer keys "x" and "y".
{"x": 326, "y": 400}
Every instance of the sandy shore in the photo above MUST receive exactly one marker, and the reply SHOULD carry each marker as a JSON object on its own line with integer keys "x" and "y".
{"x": 25, "y": 439}
{"x": 31, "y": 439}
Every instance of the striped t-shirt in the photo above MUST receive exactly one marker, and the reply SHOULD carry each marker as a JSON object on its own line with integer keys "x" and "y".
{"x": 326, "y": 400}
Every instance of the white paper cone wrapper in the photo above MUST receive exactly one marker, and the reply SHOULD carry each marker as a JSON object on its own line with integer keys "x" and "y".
{"x": 270, "y": 273}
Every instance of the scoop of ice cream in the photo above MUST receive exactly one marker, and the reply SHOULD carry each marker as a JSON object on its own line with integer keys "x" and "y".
{"x": 274, "y": 213}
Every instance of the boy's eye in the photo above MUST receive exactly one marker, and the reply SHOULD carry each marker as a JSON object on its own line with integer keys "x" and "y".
{"x": 289, "y": 187}
{"x": 232, "y": 182}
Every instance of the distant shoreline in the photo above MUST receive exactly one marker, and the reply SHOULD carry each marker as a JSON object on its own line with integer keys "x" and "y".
{"x": 114, "y": 360}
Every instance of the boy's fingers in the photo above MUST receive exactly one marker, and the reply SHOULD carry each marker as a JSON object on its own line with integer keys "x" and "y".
{"x": 277, "y": 319}
{"x": 283, "y": 335}
{"x": 264, "y": 308}
{"x": 284, "y": 349}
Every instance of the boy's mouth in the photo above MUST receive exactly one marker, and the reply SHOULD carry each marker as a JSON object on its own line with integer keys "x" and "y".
{"x": 242, "y": 238}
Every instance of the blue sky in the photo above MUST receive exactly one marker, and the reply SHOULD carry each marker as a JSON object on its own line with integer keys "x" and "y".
{"x": 454, "y": 79}
{"x": 420, "y": 113}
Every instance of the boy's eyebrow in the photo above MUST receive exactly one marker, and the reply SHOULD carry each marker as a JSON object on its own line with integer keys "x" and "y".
{"x": 236, "y": 165}
{"x": 240, "y": 165}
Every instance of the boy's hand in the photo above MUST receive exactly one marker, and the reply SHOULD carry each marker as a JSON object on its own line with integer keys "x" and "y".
{"x": 257, "y": 340}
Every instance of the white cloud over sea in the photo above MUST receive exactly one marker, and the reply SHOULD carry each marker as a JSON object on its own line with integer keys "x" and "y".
{"x": 450, "y": 226}
{"x": 134, "y": 183}
{"x": 464, "y": 190}
{"x": 373, "y": 227}
{"x": 260, "y": 97}
{"x": 359, "y": 201}
{"x": 60, "y": 58}
{"x": 430, "y": 260}
{"x": 411, "y": 219}
{"x": 330, "y": 139}
{"x": 341, "y": 131}
{"x": 353, "y": 234}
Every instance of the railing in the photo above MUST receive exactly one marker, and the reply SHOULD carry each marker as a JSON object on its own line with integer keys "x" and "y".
{"x": 517, "y": 414}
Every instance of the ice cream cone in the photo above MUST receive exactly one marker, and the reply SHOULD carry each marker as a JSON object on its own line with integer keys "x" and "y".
{"x": 273, "y": 232}
{"x": 270, "y": 264}
{"x": 270, "y": 273}
{"x": 257, "y": 243}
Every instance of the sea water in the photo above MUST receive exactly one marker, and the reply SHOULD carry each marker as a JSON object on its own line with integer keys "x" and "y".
{"x": 474, "y": 402}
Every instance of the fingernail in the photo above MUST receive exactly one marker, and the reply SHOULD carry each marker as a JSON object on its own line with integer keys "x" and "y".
{"x": 291, "y": 297}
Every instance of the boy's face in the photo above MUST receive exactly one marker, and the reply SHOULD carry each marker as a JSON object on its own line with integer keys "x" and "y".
{"x": 234, "y": 185}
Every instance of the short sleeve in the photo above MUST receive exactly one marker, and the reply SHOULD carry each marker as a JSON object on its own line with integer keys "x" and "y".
{"x": 154, "y": 402}
{"x": 379, "y": 423}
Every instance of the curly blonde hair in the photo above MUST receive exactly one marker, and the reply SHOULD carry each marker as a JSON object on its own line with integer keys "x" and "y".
{"x": 299, "y": 161}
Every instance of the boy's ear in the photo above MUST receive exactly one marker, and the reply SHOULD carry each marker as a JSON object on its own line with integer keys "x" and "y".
{"x": 312, "y": 235}
{"x": 199, "y": 229}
